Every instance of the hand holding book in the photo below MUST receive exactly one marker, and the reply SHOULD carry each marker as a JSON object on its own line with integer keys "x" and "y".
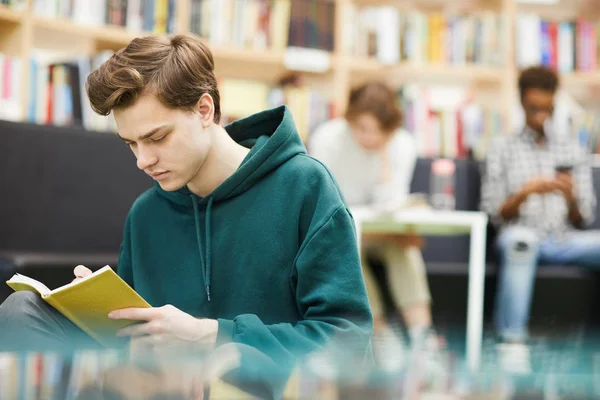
{"x": 169, "y": 327}
{"x": 87, "y": 301}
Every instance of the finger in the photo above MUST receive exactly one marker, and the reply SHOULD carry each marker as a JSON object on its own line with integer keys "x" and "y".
{"x": 136, "y": 314}
{"x": 81, "y": 271}
{"x": 148, "y": 328}
{"x": 150, "y": 341}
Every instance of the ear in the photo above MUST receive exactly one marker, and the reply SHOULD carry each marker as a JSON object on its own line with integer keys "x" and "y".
{"x": 206, "y": 108}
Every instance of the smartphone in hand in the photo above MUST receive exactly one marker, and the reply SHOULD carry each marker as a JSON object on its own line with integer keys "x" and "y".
{"x": 563, "y": 169}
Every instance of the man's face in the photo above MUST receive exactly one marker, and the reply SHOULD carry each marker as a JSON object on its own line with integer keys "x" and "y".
{"x": 170, "y": 145}
{"x": 367, "y": 132}
{"x": 538, "y": 106}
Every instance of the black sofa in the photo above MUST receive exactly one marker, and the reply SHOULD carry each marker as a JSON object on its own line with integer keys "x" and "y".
{"x": 64, "y": 196}
{"x": 65, "y": 193}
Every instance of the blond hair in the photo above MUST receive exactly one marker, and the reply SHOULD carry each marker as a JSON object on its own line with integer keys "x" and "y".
{"x": 178, "y": 70}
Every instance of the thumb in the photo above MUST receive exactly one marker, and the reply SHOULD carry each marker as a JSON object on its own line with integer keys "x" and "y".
{"x": 82, "y": 271}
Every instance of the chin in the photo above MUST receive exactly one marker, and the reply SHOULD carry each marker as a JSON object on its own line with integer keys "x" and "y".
{"x": 371, "y": 147}
{"x": 170, "y": 185}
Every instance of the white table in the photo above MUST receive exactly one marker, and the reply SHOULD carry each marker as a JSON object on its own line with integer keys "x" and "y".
{"x": 444, "y": 223}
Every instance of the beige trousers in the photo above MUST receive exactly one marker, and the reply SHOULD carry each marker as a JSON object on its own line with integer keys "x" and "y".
{"x": 406, "y": 275}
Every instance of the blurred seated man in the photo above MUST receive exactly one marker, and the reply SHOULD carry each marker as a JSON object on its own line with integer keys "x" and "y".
{"x": 373, "y": 160}
{"x": 537, "y": 188}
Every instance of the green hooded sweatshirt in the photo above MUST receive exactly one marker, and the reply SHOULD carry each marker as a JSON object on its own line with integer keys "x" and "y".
{"x": 271, "y": 253}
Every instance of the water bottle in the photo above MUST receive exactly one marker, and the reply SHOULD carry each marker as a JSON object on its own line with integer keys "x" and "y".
{"x": 442, "y": 184}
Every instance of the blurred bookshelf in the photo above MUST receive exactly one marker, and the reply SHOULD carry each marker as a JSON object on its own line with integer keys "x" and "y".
{"x": 477, "y": 45}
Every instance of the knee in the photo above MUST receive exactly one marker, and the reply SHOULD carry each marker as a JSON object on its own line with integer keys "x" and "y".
{"x": 518, "y": 242}
{"x": 19, "y": 304}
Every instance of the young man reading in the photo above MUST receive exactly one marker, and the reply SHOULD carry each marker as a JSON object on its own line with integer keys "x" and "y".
{"x": 243, "y": 238}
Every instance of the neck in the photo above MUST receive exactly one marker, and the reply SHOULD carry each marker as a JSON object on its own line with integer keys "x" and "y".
{"x": 222, "y": 160}
{"x": 540, "y": 136}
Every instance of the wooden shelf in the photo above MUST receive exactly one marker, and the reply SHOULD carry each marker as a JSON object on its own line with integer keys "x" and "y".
{"x": 9, "y": 15}
{"x": 112, "y": 35}
{"x": 435, "y": 5}
{"x": 253, "y": 56}
{"x": 365, "y": 68}
{"x": 562, "y": 9}
{"x": 116, "y": 37}
{"x": 23, "y": 32}
{"x": 581, "y": 79}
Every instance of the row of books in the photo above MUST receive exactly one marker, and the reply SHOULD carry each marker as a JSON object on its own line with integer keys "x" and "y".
{"x": 57, "y": 93}
{"x": 564, "y": 45}
{"x": 156, "y": 16}
{"x": 50, "y": 375}
{"x": 19, "y": 5}
{"x": 241, "y": 98}
{"x": 58, "y": 97}
{"x": 10, "y": 88}
{"x": 391, "y": 36}
{"x": 448, "y": 122}
{"x": 253, "y": 24}
{"x": 261, "y": 24}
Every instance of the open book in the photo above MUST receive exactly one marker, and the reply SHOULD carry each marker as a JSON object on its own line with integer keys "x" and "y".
{"x": 88, "y": 301}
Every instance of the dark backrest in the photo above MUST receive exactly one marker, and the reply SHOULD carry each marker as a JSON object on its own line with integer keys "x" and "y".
{"x": 64, "y": 189}
{"x": 467, "y": 182}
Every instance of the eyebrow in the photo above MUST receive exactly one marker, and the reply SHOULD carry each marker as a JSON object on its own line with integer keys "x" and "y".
{"x": 149, "y": 134}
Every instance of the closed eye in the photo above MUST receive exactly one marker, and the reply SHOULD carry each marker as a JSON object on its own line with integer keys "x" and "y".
{"x": 158, "y": 139}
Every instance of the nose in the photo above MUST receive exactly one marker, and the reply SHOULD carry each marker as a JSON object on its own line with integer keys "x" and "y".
{"x": 145, "y": 158}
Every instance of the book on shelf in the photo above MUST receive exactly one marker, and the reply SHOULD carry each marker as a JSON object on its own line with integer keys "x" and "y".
{"x": 446, "y": 121}
{"x": 241, "y": 98}
{"x": 566, "y": 46}
{"x": 57, "y": 91}
{"x": 252, "y": 24}
{"x": 311, "y": 24}
{"x": 391, "y": 36}
{"x": 155, "y": 16}
{"x": 264, "y": 24}
{"x": 10, "y": 87}
{"x": 18, "y": 5}
{"x": 88, "y": 301}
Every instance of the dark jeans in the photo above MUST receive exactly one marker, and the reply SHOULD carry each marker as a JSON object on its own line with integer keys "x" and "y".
{"x": 7, "y": 270}
{"x": 28, "y": 323}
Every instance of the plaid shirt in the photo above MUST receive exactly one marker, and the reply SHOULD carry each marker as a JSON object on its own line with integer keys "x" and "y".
{"x": 512, "y": 161}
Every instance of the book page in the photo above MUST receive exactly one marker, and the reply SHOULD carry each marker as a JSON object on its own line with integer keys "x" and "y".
{"x": 37, "y": 285}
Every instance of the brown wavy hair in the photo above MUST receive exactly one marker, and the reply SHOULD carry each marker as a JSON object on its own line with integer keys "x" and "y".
{"x": 377, "y": 99}
{"x": 178, "y": 70}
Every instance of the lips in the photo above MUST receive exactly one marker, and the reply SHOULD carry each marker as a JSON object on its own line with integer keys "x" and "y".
{"x": 158, "y": 176}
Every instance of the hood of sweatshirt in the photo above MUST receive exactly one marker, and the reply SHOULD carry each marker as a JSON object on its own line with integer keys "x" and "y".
{"x": 273, "y": 140}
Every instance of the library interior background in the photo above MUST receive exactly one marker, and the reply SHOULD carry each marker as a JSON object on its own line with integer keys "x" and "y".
{"x": 467, "y": 76}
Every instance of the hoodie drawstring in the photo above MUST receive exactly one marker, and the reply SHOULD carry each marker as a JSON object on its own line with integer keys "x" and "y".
{"x": 205, "y": 259}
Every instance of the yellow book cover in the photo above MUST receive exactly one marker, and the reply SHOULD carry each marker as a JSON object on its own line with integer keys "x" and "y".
{"x": 88, "y": 301}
